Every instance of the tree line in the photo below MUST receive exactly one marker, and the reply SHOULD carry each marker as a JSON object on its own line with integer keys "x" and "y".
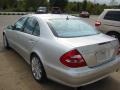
{"x": 65, "y": 5}
{"x": 92, "y": 8}
{"x": 21, "y": 5}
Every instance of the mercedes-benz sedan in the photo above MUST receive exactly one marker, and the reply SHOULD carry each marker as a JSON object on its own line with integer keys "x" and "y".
{"x": 63, "y": 48}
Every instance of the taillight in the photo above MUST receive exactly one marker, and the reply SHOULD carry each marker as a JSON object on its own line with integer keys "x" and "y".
{"x": 97, "y": 23}
{"x": 73, "y": 59}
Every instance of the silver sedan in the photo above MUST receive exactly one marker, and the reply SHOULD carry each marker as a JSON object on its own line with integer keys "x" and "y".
{"x": 63, "y": 48}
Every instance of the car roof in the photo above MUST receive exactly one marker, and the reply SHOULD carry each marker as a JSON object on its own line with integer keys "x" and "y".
{"x": 53, "y": 16}
{"x": 112, "y": 9}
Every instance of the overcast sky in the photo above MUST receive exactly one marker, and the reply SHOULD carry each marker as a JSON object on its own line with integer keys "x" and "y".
{"x": 99, "y": 1}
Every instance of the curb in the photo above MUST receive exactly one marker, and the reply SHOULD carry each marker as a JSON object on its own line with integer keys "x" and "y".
{"x": 15, "y": 13}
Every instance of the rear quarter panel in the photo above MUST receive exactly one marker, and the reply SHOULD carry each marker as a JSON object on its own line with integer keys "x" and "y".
{"x": 50, "y": 52}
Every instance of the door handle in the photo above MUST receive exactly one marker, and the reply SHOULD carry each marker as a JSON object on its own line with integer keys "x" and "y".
{"x": 18, "y": 36}
{"x": 31, "y": 41}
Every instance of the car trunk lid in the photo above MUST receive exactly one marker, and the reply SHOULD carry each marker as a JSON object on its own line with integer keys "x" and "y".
{"x": 96, "y": 49}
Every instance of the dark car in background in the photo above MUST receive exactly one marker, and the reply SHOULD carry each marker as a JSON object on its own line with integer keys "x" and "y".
{"x": 84, "y": 14}
{"x": 42, "y": 10}
{"x": 56, "y": 10}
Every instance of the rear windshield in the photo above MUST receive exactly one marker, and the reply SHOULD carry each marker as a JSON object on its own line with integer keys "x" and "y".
{"x": 71, "y": 28}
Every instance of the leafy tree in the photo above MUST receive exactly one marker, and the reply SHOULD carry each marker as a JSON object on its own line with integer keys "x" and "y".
{"x": 6, "y": 4}
{"x": 20, "y": 6}
{"x": 90, "y": 7}
{"x": 84, "y": 6}
{"x": 1, "y": 4}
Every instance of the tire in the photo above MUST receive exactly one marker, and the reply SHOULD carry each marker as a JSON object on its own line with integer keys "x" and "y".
{"x": 114, "y": 34}
{"x": 37, "y": 69}
{"x": 5, "y": 42}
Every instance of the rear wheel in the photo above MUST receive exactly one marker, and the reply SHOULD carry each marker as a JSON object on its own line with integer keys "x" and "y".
{"x": 5, "y": 42}
{"x": 37, "y": 69}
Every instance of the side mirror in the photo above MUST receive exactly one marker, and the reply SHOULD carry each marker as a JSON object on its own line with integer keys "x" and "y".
{"x": 14, "y": 27}
{"x": 11, "y": 27}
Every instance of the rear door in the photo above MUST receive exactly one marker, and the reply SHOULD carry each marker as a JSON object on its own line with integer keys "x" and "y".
{"x": 111, "y": 21}
{"x": 29, "y": 37}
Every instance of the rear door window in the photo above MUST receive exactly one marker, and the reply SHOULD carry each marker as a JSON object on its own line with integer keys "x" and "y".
{"x": 36, "y": 31}
{"x": 113, "y": 15}
{"x": 29, "y": 26}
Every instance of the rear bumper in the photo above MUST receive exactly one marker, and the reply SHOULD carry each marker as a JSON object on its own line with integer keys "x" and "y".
{"x": 84, "y": 76}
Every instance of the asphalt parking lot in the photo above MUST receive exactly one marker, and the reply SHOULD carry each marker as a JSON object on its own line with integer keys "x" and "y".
{"x": 15, "y": 73}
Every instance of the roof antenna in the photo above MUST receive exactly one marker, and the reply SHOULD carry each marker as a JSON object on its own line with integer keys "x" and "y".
{"x": 67, "y": 18}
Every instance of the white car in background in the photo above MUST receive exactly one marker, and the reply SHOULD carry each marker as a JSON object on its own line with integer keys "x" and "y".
{"x": 109, "y": 22}
{"x": 42, "y": 10}
{"x": 63, "y": 48}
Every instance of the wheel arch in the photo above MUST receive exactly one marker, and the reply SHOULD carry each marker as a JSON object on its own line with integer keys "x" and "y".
{"x": 37, "y": 54}
{"x": 3, "y": 33}
{"x": 115, "y": 32}
{"x": 44, "y": 70}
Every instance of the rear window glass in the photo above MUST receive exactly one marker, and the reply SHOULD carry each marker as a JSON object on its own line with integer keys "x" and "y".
{"x": 113, "y": 15}
{"x": 71, "y": 28}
